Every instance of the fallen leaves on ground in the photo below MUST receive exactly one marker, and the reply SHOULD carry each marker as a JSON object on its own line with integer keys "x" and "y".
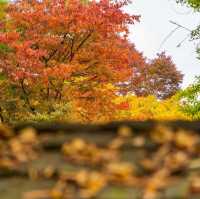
{"x": 169, "y": 155}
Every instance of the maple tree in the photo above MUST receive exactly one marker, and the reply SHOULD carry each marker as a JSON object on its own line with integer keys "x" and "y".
{"x": 65, "y": 49}
{"x": 158, "y": 77}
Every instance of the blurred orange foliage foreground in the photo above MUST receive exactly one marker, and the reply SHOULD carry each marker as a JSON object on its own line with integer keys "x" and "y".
{"x": 112, "y": 161}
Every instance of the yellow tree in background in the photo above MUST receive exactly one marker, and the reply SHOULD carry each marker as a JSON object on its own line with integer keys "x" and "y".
{"x": 145, "y": 108}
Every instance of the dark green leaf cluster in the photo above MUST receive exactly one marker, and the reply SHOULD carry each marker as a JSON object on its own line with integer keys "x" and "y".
{"x": 192, "y": 3}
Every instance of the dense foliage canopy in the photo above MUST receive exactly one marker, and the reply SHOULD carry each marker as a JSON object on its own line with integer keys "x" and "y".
{"x": 68, "y": 51}
{"x": 190, "y": 100}
{"x": 72, "y": 61}
{"x": 158, "y": 77}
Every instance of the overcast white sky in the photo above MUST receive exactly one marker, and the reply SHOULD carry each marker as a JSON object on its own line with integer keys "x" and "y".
{"x": 155, "y": 26}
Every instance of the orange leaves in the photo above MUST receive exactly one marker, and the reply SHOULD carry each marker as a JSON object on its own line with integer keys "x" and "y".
{"x": 5, "y": 132}
{"x": 182, "y": 139}
{"x": 185, "y": 140}
{"x": 80, "y": 151}
{"x": 95, "y": 100}
{"x": 195, "y": 184}
{"x": 91, "y": 183}
{"x": 62, "y": 34}
{"x": 155, "y": 183}
{"x": 63, "y": 71}
{"x": 54, "y": 42}
{"x": 87, "y": 94}
{"x": 149, "y": 160}
{"x": 22, "y": 146}
{"x": 121, "y": 172}
{"x": 17, "y": 149}
{"x": 8, "y": 37}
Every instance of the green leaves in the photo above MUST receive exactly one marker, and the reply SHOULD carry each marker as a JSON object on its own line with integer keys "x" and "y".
{"x": 189, "y": 99}
{"x": 192, "y": 3}
{"x": 4, "y": 48}
{"x": 2, "y": 77}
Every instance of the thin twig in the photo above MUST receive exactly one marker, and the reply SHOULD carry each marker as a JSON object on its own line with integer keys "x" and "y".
{"x": 168, "y": 36}
{"x": 180, "y": 26}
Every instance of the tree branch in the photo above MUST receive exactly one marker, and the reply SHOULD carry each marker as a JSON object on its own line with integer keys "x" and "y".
{"x": 1, "y": 115}
{"x": 180, "y": 26}
{"x": 80, "y": 45}
{"x": 26, "y": 95}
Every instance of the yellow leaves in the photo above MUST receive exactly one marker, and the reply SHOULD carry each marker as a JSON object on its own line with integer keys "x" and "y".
{"x": 93, "y": 102}
{"x": 186, "y": 139}
{"x": 116, "y": 143}
{"x": 35, "y": 103}
{"x": 156, "y": 182}
{"x": 5, "y": 131}
{"x": 162, "y": 134}
{"x": 58, "y": 190}
{"x": 148, "y": 165}
{"x": 88, "y": 182}
{"x": 181, "y": 138}
{"x": 125, "y": 131}
{"x": 56, "y": 194}
{"x": 80, "y": 79}
{"x": 120, "y": 169}
{"x": 177, "y": 160}
{"x": 138, "y": 141}
{"x": 28, "y": 136}
{"x": 80, "y": 151}
{"x": 21, "y": 145}
{"x": 91, "y": 183}
{"x": 120, "y": 172}
{"x": 3, "y": 5}
{"x": 174, "y": 155}
{"x": 152, "y": 161}
{"x": 6, "y": 163}
{"x": 77, "y": 145}
{"x": 48, "y": 171}
{"x": 18, "y": 150}
{"x": 195, "y": 184}
{"x": 82, "y": 177}
{"x": 145, "y": 108}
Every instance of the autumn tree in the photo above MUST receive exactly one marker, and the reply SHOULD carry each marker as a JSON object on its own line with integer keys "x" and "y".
{"x": 158, "y": 77}
{"x": 64, "y": 50}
